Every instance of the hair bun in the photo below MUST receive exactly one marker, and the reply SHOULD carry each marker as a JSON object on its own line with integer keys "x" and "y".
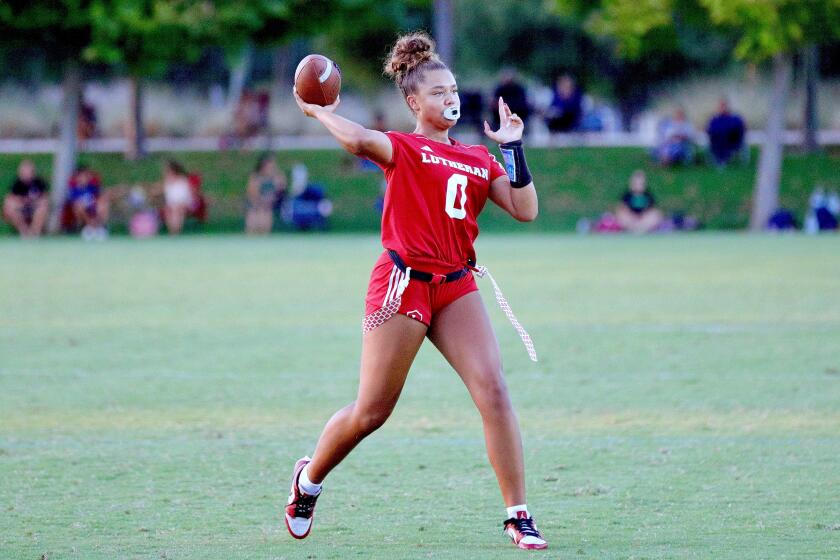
{"x": 409, "y": 52}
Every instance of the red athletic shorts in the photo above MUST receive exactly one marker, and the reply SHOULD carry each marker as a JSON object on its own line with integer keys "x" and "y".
{"x": 421, "y": 300}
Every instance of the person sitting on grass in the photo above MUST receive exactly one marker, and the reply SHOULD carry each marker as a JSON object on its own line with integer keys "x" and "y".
{"x": 26, "y": 207}
{"x": 266, "y": 188}
{"x": 566, "y": 109}
{"x": 178, "y": 196}
{"x": 677, "y": 138}
{"x": 726, "y": 132}
{"x": 90, "y": 207}
{"x": 637, "y": 211}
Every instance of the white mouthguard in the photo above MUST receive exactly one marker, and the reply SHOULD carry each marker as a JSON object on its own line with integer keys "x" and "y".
{"x": 452, "y": 113}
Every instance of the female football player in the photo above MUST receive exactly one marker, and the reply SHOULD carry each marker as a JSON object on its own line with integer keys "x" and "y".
{"x": 422, "y": 285}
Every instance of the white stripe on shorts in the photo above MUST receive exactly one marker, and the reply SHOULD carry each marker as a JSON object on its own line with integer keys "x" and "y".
{"x": 395, "y": 293}
{"x": 390, "y": 284}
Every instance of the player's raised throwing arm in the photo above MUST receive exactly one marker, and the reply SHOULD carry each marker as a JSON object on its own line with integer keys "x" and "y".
{"x": 353, "y": 137}
{"x": 515, "y": 192}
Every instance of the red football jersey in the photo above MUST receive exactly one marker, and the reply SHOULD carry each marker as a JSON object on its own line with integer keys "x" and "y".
{"x": 434, "y": 195}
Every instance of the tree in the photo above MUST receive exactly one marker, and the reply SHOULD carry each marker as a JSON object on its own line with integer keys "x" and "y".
{"x": 766, "y": 31}
{"x": 62, "y": 30}
{"x": 141, "y": 37}
{"x": 443, "y": 30}
{"x": 542, "y": 44}
{"x": 144, "y": 37}
{"x": 359, "y": 35}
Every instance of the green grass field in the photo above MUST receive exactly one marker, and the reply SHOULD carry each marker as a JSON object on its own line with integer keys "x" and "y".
{"x": 572, "y": 182}
{"x": 154, "y": 395}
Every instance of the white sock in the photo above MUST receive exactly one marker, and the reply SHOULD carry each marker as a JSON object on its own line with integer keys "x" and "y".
{"x": 517, "y": 512}
{"x": 307, "y": 485}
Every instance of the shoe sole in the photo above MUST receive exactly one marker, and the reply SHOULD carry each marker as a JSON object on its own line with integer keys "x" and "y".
{"x": 532, "y": 546}
{"x": 525, "y": 546}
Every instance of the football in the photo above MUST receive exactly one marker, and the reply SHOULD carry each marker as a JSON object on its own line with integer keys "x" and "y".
{"x": 318, "y": 80}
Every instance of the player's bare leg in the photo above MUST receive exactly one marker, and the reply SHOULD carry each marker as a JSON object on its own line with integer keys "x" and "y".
{"x": 13, "y": 213}
{"x": 39, "y": 216}
{"x": 387, "y": 354}
{"x": 463, "y": 334}
{"x": 174, "y": 217}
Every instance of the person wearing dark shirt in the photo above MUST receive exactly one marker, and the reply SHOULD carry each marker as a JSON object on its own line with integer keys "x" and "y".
{"x": 26, "y": 206}
{"x": 89, "y": 205}
{"x": 637, "y": 212}
{"x": 566, "y": 109}
{"x": 514, "y": 95}
{"x": 726, "y": 132}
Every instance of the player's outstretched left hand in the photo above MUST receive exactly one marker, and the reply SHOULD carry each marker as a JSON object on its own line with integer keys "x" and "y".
{"x": 310, "y": 109}
{"x": 510, "y": 126}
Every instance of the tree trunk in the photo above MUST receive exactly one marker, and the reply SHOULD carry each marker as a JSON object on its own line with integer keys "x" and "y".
{"x": 135, "y": 132}
{"x": 239, "y": 76}
{"x": 65, "y": 155}
{"x": 810, "y": 61}
{"x": 766, "y": 192}
{"x": 443, "y": 30}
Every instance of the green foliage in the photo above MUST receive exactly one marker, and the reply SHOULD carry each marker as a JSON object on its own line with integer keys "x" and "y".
{"x": 61, "y": 28}
{"x": 145, "y": 36}
{"x": 359, "y": 32}
{"x": 630, "y": 23}
{"x": 148, "y": 35}
{"x": 770, "y": 27}
{"x": 542, "y": 40}
{"x": 492, "y": 35}
{"x": 141, "y": 35}
{"x": 763, "y": 28}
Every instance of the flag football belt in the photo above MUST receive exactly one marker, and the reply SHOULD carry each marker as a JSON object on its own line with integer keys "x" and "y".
{"x": 429, "y": 277}
{"x": 387, "y": 311}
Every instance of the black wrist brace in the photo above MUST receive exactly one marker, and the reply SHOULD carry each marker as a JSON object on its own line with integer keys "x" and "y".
{"x": 515, "y": 164}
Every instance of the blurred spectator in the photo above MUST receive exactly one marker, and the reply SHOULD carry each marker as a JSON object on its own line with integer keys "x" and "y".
{"x": 637, "y": 211}
{"x": 566, "y": 109}
{"x": 726, "y": 132}
{"x": 86, "y": 123}
{"x": 250, "y": 118}
{"x": 86, "y": 205}
{"x": 246, "y": 115}
{"x": 472, "y": 111}
{"x": 593, "y": 116}
{"x": 379, "y": 203}
{"x": 182, "y": 197}
{"x": 379, "y": 122}
{"x": 26, "y": 206}
{"x": 263, "y": 111}
{"x": 514, "y": 95}
{"x": 266, "y": 188}
{"x": 823, "y": 211}
{"x": 309, "y": 207}
{"x": 144, "y": 221}
{"x": 781, "y": 220}
{"x": 676, "y": 144}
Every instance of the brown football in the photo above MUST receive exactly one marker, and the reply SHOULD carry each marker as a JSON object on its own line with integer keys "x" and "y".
{"x": 318, "y": 80}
